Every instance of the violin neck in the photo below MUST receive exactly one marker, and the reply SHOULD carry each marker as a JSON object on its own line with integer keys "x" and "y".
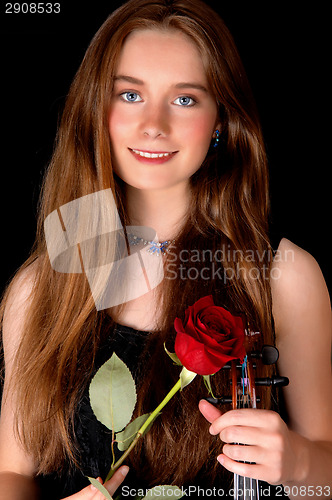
{"x": 245, "y": 488}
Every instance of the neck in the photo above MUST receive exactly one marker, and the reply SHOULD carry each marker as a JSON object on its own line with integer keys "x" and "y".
{"x": 165, "y": 211}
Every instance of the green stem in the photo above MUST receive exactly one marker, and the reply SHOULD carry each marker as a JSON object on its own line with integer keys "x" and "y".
{"x": 146, "y": 424}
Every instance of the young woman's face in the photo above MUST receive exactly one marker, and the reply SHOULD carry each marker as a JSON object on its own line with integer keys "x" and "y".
{"x": 162, "y": 115}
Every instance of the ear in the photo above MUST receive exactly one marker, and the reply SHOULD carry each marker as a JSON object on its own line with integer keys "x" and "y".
{"x": 217, "y": 127}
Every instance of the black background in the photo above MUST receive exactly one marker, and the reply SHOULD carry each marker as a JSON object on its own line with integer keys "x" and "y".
{"x": 284, "y": 49}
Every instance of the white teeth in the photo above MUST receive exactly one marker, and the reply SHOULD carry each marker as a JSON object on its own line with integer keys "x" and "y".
{"x": 150, "y": 155}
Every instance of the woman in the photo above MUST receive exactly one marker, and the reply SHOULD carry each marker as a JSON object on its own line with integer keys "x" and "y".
{"x": 161, "y": 113}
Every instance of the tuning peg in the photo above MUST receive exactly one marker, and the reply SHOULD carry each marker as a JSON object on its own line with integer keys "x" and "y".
{"x": 269, "y": 354}
{"x": 275, "y": 380}
{"x": 219, "y": 401}
{"x": 223, "y": 400}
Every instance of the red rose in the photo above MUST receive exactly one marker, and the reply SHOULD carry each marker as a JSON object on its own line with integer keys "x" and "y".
{"x": 209, "y": 338}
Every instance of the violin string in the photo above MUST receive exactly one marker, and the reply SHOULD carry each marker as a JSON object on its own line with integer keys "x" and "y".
{"x": 253, "y": 487}
{"x": 244, "y": 383}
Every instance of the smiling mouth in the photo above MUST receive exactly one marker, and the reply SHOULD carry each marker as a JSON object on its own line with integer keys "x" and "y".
{"x": 153, "y": 154}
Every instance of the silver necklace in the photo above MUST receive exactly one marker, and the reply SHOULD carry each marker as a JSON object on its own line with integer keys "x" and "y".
{"x": 156, "y": 247}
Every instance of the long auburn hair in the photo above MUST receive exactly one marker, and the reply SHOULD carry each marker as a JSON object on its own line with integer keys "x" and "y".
{"x": 229, "y": 211}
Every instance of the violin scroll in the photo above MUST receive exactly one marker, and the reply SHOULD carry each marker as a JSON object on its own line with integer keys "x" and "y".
{"x": 269, "y": 355}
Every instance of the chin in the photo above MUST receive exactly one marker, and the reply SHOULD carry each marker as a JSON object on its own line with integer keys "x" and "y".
{"x": 148, "y": 184}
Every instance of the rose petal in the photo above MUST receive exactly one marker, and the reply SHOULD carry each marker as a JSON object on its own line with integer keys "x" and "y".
{"x": 197, "y": 361}
{"x": 211, "y": 340}
{"x": 209, "y": 337}
{"x": 184, "y": 343}
{"x": 202, "y": 304}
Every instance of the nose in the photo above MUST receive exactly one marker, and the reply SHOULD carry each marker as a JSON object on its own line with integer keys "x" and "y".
{"x": 155, "y": 121}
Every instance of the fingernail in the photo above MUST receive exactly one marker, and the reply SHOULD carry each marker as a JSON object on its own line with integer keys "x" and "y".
{"x": 220, "y": 459}
{"x": 211, "y": 430}
{"x": 124, "y": 470}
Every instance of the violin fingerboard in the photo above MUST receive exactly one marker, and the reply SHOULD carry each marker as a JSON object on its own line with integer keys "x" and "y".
{"x": 245, "y": 488}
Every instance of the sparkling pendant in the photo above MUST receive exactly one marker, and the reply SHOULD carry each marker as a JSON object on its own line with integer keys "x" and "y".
{"x": 158, "y": 248}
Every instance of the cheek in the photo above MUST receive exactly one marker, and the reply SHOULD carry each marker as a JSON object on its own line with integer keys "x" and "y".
{"x": 200, "y": 131}
{"x": 117, "y": 126}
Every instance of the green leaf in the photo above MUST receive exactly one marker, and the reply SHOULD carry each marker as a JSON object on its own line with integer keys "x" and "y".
{"x": 127, "y": 436}
{"x": 100, "y": 487}
{"x": 113, "y": 394}
{"x": 186, "y": 376}
{"x": 173, "y": 356}
{"x": 164, "y": 491}
{"x": 207, "y": 382}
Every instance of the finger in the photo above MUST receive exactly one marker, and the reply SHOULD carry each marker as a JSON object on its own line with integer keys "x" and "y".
{"x": 248, "y": 417}
{"x": 117, "y": 479}
{"x": 240, "y": 453}
{"x": 92, "y": 493}
{"x": 253, "y": 471}
{"x": 271, "y": 475}
{"x": 244, "y": 435}
{"x": 209, "y": 411}
{"x": 88, "y": 493}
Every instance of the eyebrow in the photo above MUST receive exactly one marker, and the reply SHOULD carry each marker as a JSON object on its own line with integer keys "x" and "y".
{"x": 181, "y": 85}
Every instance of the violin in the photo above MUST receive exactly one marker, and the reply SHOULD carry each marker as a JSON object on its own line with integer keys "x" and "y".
{"x": 244, "y": 395}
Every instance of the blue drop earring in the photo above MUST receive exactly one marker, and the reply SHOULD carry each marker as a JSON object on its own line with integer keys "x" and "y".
{"x": 216, "y": 139}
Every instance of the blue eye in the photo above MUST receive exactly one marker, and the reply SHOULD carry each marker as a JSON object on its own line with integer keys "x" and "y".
{"x": 131, "y": 97}
{"x": 185, "y": 101}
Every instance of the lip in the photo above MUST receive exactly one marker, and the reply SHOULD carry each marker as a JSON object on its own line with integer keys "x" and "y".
{"x": 154, "y": 161}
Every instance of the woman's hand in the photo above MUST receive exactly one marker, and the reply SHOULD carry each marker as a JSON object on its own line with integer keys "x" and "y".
{"x": 273, "y": 448}
{"x": 91, "y": 492}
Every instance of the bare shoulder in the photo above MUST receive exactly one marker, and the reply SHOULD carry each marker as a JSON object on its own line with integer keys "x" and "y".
{"x": 13, "y": 458}
{"x": 16, "y": 307}
{"x": 302, "y": 315}
{"x": 298, "y": 285}
{"x": 292, "y": 262}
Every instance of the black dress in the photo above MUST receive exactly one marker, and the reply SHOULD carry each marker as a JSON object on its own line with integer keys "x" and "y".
{"x": 93, "y": 438}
